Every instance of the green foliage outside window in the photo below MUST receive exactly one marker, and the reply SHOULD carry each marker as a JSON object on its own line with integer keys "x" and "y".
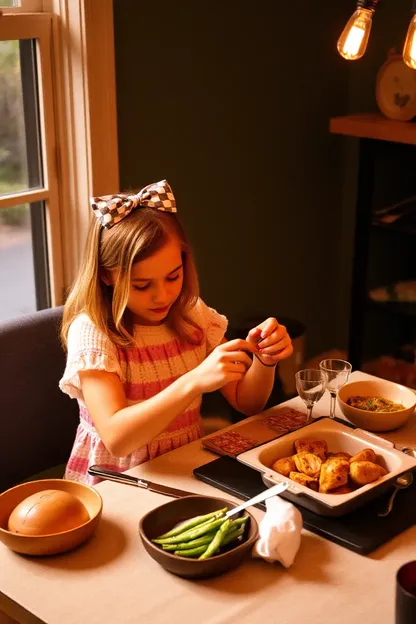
{"x": 13, "y": 169}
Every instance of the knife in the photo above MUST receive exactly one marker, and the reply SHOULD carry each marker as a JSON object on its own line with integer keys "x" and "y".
{"x": 268, "y": 493}
{"x": 121, "y": 477}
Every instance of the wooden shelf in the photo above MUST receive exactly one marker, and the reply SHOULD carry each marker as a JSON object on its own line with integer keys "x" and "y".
{"x": 394, "y": 227}
{"x": 374, "y": 126}
{"x": 406, "y": 309}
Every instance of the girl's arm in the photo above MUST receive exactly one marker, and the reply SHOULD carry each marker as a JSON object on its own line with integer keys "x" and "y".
{"x": 124, "y": 428}
{"x": 271, "y": 343}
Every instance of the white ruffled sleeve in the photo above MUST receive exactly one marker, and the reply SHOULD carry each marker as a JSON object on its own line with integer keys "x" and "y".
{"x": 213, "y": 324}
{"x": 88, "y": 349}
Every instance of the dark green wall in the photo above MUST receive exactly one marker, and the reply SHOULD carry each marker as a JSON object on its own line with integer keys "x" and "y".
{"x": 390, "y": 24}
{"x": 230, "y": 101}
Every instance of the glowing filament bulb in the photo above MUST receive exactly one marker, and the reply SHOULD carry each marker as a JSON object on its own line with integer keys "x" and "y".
{"x": 409, "y": 50}
{"x": 353, "y": 41}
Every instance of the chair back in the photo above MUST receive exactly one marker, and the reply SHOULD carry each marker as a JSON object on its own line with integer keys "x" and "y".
{"x": 38, "y": 422}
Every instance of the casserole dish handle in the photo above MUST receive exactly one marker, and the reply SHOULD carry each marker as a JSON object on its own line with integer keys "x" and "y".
{"x": 292, "y": 487}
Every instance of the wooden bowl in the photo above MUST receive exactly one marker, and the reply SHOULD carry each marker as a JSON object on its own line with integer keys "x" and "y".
{"x": 377, "y": 421}
{"x": 163, "y": 518}
{"x": 56, "y": 542}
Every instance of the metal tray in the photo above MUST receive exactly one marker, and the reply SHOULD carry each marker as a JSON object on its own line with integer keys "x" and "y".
{"x": 339, "y": 437}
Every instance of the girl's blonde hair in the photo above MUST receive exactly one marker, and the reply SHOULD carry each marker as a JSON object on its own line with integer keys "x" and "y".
{"x": 133, "y": 239}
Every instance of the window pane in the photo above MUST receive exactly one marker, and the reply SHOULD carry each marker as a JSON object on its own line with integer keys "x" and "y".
{"x": 23, "y": 263}
{"x": 20, "y": 162}
{"x": 9, "y": 3}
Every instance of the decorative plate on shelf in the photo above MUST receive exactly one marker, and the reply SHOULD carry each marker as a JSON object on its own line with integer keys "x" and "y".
{"x": 396, "y": 89}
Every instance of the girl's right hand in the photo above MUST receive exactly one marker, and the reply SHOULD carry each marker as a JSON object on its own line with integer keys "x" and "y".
{"x": 227, "y": 362}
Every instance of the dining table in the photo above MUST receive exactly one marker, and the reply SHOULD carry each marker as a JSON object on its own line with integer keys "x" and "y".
{"x": 111, "y": 579}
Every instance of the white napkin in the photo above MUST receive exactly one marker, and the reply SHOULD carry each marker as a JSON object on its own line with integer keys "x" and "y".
{"x": 280, "y": 532}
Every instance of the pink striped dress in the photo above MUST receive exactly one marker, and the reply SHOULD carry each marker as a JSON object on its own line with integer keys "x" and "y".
{"x": 144, "y": 370}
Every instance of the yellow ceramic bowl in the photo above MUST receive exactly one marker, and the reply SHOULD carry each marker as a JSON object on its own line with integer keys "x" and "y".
{"x": 56, "y": 542}
{"x": 377, "y": 421}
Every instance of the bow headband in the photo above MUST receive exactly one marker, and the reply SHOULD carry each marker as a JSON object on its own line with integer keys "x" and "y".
{"x": 110, "y": 209}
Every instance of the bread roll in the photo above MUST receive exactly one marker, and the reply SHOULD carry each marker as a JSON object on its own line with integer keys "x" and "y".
{"x": 47, "y": 512}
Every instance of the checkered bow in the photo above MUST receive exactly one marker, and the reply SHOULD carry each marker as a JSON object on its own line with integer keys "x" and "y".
{"x": 110, "y": 209}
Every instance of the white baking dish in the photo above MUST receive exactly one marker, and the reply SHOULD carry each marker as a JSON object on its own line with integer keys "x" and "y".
{"x": 339, "y": 437}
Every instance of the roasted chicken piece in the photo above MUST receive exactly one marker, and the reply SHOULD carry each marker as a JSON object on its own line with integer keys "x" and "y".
{"x": 363, "y": 472}
{"x": 284, "y": 466}
{"x": 303, "y": 479}
{"x": 342, "y": 454}
{"x": 365, "y": 455}
{"x": 334, "y": 473}
{"x": 308, "y": 463}
{"x": 317, "y": 447}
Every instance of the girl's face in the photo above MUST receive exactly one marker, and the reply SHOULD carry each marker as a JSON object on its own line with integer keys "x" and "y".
{"x": 155, "y": 284}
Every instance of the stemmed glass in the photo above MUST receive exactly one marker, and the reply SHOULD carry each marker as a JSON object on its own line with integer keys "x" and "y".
{"x": 338, "y": 372}
{"x": 311, "y": 386}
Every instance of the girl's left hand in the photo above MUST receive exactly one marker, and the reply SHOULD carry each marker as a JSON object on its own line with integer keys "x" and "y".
{"x": 272, "y": 341}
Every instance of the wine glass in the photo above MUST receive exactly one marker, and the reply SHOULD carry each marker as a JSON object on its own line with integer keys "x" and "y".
{"x": 338, "y": 372}
{"x": 311, "y": 386}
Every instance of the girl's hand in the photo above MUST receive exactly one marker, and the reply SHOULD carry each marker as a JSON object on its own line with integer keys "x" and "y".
{"x": 227, "y": 362}
{"x": 271, "y": 340}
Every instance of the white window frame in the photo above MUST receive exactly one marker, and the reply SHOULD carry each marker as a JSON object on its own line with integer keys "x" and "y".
{"x": 84, "y": 151}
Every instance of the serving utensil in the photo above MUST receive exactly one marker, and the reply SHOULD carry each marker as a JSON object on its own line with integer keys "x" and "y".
{"x": 276, "y": 489}
{"x": 120, "y": 477}
{"x": 401, "y": 483}
{"x": 408, "y": 450}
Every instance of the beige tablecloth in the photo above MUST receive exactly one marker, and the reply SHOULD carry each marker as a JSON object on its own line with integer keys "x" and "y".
{"x": 111, "y": 579}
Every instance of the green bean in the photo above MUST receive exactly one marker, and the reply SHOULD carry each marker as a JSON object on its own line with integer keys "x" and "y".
{"x": 200, "y": 541}
{"x": 238, "y": 522}
{"x": 173, "y": 540}
{"x": 193, "y": 533}
{"x": 232, "y": 535}
{"x": 188, "y": 524}
{"x": 168, "y": 540}
{"x": 191, "y": 552}
{"x": 216, "y": 542}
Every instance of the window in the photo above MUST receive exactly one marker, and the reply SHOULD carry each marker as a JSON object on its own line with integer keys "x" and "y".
{"x": 28, "y": 6}
{"x": 28, "y": 173}
{"x": 51, "y": 120}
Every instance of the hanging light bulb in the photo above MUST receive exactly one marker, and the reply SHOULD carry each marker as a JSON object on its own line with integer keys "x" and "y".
{"x": 352, "y": 43}
{"x": 409, "y": 50}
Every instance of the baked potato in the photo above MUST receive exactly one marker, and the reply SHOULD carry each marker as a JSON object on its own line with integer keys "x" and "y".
{"x": 303, "y": 479}
{"x": 284, "y": 466}
{"x": 315, "y": 467}
{"x": 334, "y": 474}
{"x": 317, "y": 447}
{"x": 308, "y": 463}
{"x": 363, "y": 472}
{"x": 342, "y": 454}
{"x": 365, "y": 455}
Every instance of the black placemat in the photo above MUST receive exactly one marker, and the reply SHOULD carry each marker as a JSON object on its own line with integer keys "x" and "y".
{"x": 361, "y": 530}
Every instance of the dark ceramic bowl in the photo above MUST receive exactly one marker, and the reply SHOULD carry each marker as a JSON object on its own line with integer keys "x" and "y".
{"x": 163, "y": 518}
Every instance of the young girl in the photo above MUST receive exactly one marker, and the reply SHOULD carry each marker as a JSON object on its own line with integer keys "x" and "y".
{"x": 143, "y": 347}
